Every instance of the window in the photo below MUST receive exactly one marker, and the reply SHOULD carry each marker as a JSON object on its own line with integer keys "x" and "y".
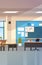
{"x": 2, "y": 30}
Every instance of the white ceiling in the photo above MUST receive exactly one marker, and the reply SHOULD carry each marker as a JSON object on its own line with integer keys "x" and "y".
{"x": 33, "y": 11}
{"x": 25, "y": 7}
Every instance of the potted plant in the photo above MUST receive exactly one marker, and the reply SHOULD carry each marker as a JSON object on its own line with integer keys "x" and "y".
{"x": 19, "y": 41}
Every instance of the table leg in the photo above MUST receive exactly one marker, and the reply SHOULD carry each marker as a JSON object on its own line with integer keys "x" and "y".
{"x": 36, "y": 49}
{"x": 8, "y": 48}
{"x": 12, "y": 49}
{"x": 3, "y": 48}
{"x": 30, "y": 48}
{"x": 16, "y": 48}
{"x": 24, "y": 48}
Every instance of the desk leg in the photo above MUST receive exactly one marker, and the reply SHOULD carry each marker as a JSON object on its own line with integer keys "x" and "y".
{"x": 3, "y": 48}
{"x": 24, "y": 48}
{"x": 8, "y": 48}
{"x": 12, "y": 49}
{"x": 30, "y": 48}
{"x": 36, "y": 49}
{"x": 16, "y": 48}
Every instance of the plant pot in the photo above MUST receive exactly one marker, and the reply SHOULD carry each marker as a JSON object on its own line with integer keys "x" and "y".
{"x": 19, "y": 44}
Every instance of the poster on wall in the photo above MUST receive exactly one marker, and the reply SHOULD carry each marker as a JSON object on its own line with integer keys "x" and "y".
{"x": 30, "y": 29}
{"x": 20, "y": 28}
{"x": 22, "y": 34}
{"x": 26, "y": 29}
{"x": 40, "y": 24}
{"x": 26, "y": 34}
{"x": 32, "y": 24}
{"x": 19, "y": 32}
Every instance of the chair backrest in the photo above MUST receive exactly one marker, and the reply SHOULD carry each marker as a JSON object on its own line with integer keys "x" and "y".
{"x": 37, "y": 40}
{"x": 3, "y": 42}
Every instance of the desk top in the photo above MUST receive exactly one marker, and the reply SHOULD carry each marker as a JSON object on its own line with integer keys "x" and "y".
{"x": 33, "y": 42}
{"x": 2, "y": 40}
{"x": 9, "y": 44}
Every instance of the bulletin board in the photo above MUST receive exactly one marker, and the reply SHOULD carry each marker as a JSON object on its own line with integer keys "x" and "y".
{"x": 22, "y": 32}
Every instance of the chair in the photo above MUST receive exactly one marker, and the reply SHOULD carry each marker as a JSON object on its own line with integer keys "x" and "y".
{"x": 37, "y": 40}
{"x": 3, "y": 42}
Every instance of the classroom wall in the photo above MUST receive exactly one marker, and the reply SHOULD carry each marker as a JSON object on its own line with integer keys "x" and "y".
{"x": 10, "y": 34}
{"x": 13, "y": 27}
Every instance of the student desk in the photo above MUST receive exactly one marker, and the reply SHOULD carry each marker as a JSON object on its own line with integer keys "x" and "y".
{"x": 10, "y": 46}
{"x": 3, "y": 44}
{"x": 32, "y": 44}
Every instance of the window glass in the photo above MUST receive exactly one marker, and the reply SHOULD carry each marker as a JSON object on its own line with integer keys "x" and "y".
{"x": 1, "y": 24}
{"x": 2, "y": 30}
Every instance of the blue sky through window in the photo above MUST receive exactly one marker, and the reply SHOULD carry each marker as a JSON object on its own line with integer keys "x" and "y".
{"x": 2, "y": 29}
{"x": 1, "y": 24}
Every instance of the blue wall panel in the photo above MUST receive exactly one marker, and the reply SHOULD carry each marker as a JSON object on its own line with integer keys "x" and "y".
{"x": 37, "y": 30}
